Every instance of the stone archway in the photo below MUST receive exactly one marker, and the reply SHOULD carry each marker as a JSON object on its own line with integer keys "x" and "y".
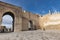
{"x": 21, "y": 18}
{"x": 12, "y": 15}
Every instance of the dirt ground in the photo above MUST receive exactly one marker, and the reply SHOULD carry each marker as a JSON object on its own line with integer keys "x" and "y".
{"x": 31, "y": 35}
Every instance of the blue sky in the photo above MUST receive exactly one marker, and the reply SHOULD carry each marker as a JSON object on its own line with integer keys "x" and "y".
{"x": 36, "y": 6}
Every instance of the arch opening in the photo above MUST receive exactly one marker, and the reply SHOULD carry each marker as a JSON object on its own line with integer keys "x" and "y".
{"x": 8, "y": 21}
{"x": 30, "y": 26}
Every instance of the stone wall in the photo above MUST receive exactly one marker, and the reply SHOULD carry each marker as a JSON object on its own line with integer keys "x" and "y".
{"x": 21, "y": 18}
{"x": 27, "y": 17}
{"x": 50, "y": 22}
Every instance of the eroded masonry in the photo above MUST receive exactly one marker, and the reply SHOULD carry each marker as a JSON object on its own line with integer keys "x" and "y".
{"x": 24, "y": 20}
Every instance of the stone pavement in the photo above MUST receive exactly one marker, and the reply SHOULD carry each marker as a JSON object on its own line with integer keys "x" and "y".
{"x": 31, "y": 35}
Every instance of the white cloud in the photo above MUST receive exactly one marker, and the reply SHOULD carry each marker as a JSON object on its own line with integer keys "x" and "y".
{"x": 54, "y": 9}
{"x": 7, "y": 21}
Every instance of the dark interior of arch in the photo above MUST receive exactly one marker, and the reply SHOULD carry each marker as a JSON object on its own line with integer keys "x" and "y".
{"x": 12, "y": 15}
{"x": 31, "y": 25}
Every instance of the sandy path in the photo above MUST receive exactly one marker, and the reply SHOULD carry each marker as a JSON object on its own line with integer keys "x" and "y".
{"x": 31, "y": 35}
